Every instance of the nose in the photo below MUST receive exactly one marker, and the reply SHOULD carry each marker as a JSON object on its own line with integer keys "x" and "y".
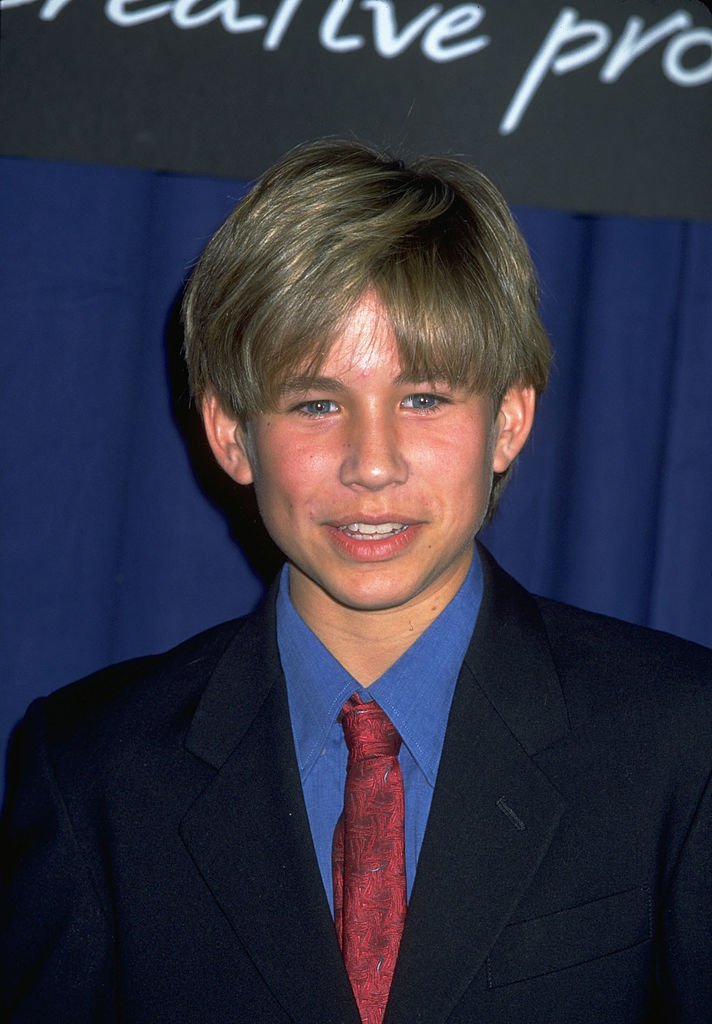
{"x": 373, "y": 454}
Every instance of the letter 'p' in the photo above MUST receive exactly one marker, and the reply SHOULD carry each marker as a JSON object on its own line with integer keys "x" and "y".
{"x": 595, "y": 38}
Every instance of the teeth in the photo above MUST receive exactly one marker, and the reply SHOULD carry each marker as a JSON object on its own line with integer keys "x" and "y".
{"x": 373, "y": 529}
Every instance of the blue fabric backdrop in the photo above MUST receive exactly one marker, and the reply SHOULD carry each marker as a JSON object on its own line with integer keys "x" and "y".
{"x": 114, "y": 540}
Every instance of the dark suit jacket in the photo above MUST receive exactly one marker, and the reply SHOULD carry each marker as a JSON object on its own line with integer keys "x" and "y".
{"x": 162, "y": 867}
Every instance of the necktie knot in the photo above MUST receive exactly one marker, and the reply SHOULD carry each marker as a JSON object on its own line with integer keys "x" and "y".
{"x": 368, "y": 731}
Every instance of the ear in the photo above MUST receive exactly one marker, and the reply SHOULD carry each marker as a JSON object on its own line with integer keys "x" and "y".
{"x": 228, "y": 440}
{"x": 512, "y": 426}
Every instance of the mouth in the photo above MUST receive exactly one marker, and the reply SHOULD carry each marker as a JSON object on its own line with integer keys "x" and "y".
{"x": 372, "y": 531}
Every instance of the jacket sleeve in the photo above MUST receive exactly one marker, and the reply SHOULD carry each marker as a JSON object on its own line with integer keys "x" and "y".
{"x": 687, "y": 926}
{"x": 57, "y": 947}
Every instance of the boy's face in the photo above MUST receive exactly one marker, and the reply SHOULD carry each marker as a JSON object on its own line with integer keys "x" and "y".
{"x": 372, "y": 485}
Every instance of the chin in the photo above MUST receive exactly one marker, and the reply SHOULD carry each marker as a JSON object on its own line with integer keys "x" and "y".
{"x": 374, "y": 598}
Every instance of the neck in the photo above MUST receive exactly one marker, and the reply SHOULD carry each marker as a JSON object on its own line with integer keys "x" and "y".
{"x": 368, "y": 642}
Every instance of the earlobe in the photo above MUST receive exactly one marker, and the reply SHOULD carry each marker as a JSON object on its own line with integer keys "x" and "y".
{"x": 227, "y": 438}
{"x": 513, "y": 425}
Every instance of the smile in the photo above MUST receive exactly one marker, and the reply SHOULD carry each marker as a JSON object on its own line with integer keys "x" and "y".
{"x": 373, "y": 531}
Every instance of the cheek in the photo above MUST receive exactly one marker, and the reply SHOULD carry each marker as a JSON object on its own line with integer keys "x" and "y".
{"x": 287, "y": 479}
{"x": 463, "y": 478}
{"x": 466, "y": 462}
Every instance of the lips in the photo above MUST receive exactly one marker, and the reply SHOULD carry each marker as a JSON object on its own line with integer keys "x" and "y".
{"x": 374, "y": 539}
{"x": 372, "y": 531}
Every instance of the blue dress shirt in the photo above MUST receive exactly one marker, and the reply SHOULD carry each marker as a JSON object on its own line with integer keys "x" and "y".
{"x": 415, "y": 692}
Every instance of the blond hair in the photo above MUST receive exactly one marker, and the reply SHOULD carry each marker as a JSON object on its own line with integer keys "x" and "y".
{"x": 335, "y": 219}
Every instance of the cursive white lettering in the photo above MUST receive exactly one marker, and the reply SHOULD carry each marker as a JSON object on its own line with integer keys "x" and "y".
{"x": 51, "y": 9}
{"x": 119, "y": 11}
{"x": 228, "y": 11}
{"x": 675, "y": 51}
{"x": 388, "y": 41}
{"x": 280, "y": 23}
{"x": 330, "y": 25}
{"x": 632, "y": 44}
{"x": 48, "y": 12}
{"x": 444, "y": 34}
{"x": 451, "y": 25}
{"x": 565, "y": 29}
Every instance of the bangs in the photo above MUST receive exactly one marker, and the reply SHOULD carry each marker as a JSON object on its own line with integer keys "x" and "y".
{"x": 444, "y": 303}
{"x": 434, "y": 344}
{"x": 436, "y": 243}
{"x": 440, "y": 333}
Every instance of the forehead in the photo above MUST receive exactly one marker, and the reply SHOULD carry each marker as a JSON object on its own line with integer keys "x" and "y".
{"x": 364, "y": 344}
{"x": 373, "y": 344}
{"x": 362, "y": 349}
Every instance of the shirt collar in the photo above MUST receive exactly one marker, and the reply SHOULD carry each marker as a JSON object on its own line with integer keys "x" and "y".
{"x": 415, "y": 692}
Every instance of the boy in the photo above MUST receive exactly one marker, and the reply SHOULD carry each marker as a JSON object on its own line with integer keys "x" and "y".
{"x": 404, "y": 789}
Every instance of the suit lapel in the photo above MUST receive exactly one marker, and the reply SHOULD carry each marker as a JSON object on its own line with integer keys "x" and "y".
{"x": 249, "y": 834}
{"x": 493, "y": 813}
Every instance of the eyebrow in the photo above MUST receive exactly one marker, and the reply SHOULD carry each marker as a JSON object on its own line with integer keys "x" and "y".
{"x": 415, "y": 378}
{"x": 301, "y": 383}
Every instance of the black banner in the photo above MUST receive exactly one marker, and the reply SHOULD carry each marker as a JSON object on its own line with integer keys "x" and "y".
{"x": 602, "y": 107}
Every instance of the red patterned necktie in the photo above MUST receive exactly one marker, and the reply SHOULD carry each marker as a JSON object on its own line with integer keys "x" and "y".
{"x": 369, "y": 857}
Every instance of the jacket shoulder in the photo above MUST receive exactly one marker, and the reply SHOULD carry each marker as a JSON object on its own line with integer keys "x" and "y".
{"x": 604, "y": 660}
{"x": 125, "y": 701}
{"x": 568, "y": 627}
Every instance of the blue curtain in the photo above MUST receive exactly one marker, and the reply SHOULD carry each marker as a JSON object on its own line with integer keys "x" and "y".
{"x": 115, "y": 541}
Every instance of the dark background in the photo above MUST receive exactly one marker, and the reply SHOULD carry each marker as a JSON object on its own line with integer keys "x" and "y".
{"x": 208, "y": 101}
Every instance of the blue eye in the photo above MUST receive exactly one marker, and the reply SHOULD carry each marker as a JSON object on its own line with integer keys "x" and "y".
{"x": 422, "y": 401}
{"x": 318, "y": 407}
